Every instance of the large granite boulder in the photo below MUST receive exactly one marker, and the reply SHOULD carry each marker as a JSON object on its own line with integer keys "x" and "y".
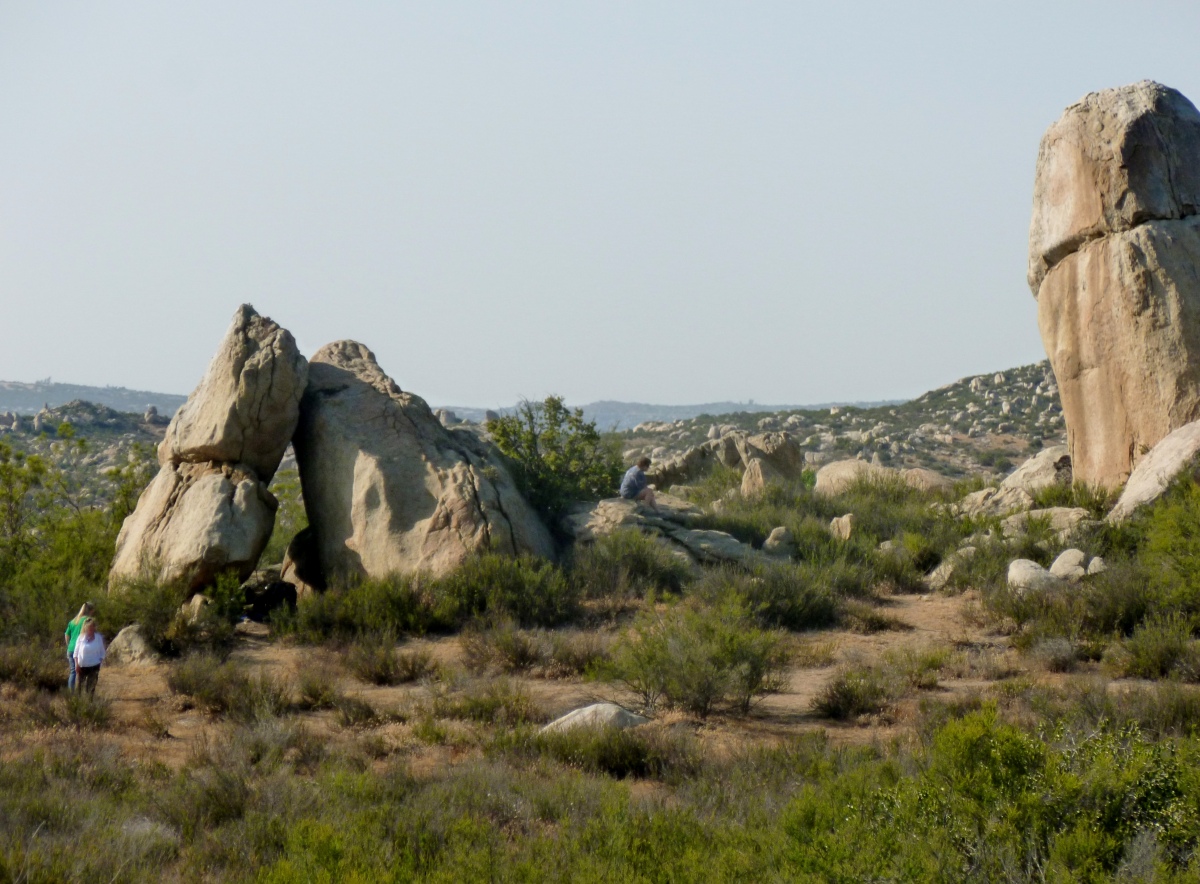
{"x": 779, "y": 450}
{"x": 208, "y": 510}
{"x": 245, "y": 409}
{"x": 1114, "y": 261}
{"x": 388, "y": 489}
{"x": 193, "y": 522}
{"x": 1157, "y": 470}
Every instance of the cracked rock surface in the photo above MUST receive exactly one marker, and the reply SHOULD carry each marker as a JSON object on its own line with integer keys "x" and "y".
{"x": 387, "y": 488}
{"x": 1114, "y": 262}
{"x": 208, "y": 510}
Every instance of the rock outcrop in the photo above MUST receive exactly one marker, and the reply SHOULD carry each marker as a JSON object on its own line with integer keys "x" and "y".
{"x": 387, "y": 488}
{"x": 671, "y": 523}
{"x": 1046, "y": 469}
{"x": 1114, "y": 262}
{"x": 208, "y": 510}
{"x": 1155, "y": 472}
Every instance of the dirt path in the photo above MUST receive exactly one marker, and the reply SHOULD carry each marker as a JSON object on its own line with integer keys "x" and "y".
{"x": 157, "y": 724}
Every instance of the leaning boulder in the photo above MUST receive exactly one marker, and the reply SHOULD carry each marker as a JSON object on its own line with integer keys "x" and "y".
{"x": 1114, "y": 262}
{"x": 246, "y": 407}
{"x": 1154, "y": 474}
{"x": 778, "y": 450}
{"x": 388, "y": 489}
{"x": 208, "y": 510}
{"x": 759, "y": 474}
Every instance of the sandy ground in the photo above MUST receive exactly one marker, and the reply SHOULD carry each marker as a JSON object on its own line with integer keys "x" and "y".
{"x": 153, "y": 723}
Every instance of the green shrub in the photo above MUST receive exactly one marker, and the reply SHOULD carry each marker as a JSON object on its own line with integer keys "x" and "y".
{"x": 792, "y": 596}
{"x": 634, "y": 752}
{"x": 531, "y": 591}
{"x": 86, "y": 710}
{"x": 853, "y": 691}
{"x": 558, "y": 457}
{"x": 398, "y": 604}
{"x": 1158, "y": 645}
{"x": 1093, "y": 498}
{"x": 697, "y": 660}
{"x": 373, "y": 659}
{"x": 496, "y": 701}
{"x": 223, "y": 687}
{"x": 39, "y": 666}
{"x": 316, "y": 686}
{"x": 627, "y": 564}
{"x": 355, "y": 712}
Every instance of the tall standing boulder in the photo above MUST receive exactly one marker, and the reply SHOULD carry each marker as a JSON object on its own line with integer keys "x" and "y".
{"x": 208, "y": 510}
{"x": 387, "y": 488}
{"x": 1114, "y": 262}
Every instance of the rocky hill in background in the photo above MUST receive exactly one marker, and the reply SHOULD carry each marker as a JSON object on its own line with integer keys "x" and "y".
{"x": 976, "y": 426}
{"x": 30, "y": 398}
{"x": 979, "y": 425}
{"x": 613, "y": 415}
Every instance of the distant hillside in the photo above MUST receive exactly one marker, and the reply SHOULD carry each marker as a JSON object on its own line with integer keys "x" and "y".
{"x": 29, "y": 398}
{"x": 610, "y": 415}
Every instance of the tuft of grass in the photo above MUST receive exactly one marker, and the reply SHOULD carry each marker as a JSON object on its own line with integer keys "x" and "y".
{"x": 316, "y": 686}
{"x": 34, "y": 666}
{"x": 498, "y": 701}
{"x": 224, "y": 688}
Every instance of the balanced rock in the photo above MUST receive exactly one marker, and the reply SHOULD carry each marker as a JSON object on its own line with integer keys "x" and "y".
{"x": 246, "y": 407}
{"x": 1155, "y": 472}
{"x": 208, "y": 510}
{"x": 388, "y": 489}
{"x": 1114, "y": 262}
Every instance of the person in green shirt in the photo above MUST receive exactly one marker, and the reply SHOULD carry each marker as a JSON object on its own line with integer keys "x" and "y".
{"x": 71, "y": 636}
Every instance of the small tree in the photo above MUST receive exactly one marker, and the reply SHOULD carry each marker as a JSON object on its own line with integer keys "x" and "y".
{"x": 559, "y": 456}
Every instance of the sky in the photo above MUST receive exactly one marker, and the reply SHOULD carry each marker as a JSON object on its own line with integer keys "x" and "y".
{"x": 656, "y": 202}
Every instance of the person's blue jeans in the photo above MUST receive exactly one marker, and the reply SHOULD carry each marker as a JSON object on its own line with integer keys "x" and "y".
{"x": 70, "y": 672}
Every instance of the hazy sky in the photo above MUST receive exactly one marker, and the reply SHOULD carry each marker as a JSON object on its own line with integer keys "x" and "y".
{"x": 660, "y": 202}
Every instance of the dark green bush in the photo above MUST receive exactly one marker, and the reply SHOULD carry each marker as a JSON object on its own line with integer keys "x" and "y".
{"x": 1159, "y": 645}
{"x": 398, "y": 604}
{"x": 224, "y": 687}
{"x": 531, "y": 591}
{"x": 558, "y": 457}
{"x": 638, "y": 752}
{"x": 791, "y": 596}
{"x": 628, "y": 564}
{"x": 699, "y": 659}
{"x": 39, "y": 666}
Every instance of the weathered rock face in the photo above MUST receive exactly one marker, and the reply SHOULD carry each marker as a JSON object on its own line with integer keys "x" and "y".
{"x": 208, "y": 510}
{"x": 597, "y": 715}
{"x": 245, "y": 409}
{"x": 1154, "y": 474}
{"x": 1114, "y": 261}
{"x": 387, "y": 488}
{"x": 195, "y": 521}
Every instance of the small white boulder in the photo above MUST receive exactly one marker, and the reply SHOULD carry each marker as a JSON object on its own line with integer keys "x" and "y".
{"x": 1025, "y": 575}
{"x": 1070, "y": 565}
{"x": 596, "y": 716}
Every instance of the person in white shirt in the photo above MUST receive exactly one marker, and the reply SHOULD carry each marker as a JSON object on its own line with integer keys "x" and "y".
{"x": 89, "y": 654}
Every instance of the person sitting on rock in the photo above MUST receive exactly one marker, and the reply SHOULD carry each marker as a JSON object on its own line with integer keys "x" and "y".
{"x": 635, "y": 486}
